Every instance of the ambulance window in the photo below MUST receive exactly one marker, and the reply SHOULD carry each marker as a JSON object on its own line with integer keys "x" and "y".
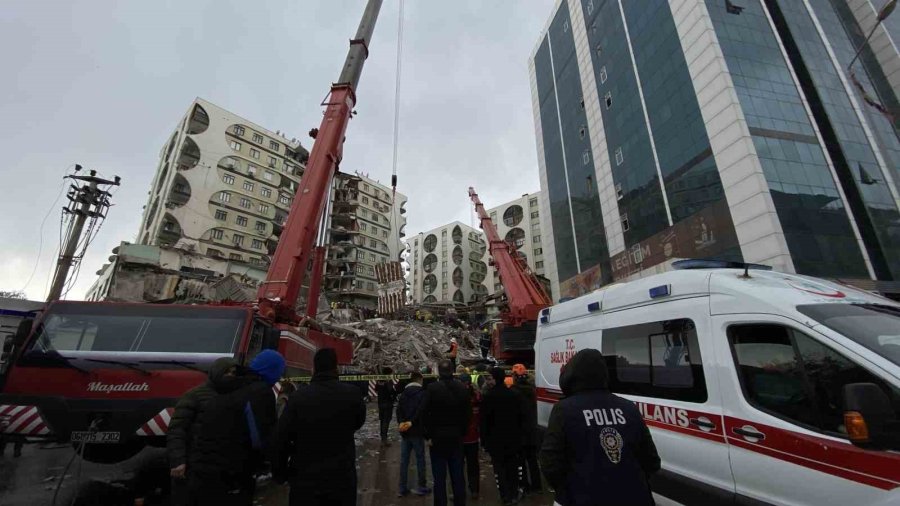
{"x": 793, "y": 376}
{"x": 660, "y": 359}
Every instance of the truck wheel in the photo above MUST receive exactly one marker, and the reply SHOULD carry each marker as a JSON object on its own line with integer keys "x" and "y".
{"x": 110, "y": 454}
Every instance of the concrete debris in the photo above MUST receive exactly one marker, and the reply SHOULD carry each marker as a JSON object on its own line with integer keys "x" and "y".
{"x": 408, "y": 345}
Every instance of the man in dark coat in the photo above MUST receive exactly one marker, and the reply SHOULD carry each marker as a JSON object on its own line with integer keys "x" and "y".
{"x": 237, "y": 426}
{"x": 531, "y": 473}
{"x": 316, "y": 449}
{"x": 503, "y": 420}
{"x": 185, "y": 426}
{"x": 445, "y": 412}
{"x": 412, "y": 435}
{"x": 387, "y": 394}
{"x": 597, "y": 449}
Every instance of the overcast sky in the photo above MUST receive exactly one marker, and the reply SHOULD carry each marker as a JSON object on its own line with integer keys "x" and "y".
{"x": 103, "y": 83}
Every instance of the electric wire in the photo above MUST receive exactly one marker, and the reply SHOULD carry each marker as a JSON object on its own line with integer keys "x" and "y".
{"x": 37, "y": 258}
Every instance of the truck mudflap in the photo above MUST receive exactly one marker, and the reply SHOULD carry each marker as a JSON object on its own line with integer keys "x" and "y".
{"x": 23, "y": 420}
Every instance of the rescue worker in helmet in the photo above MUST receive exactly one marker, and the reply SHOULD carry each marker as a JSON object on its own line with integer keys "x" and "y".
{"x": 484, "y": 342}
{"x": 452, "y": 352}
{"x": 530, "y": 473}
{"x": 597, "y": 449}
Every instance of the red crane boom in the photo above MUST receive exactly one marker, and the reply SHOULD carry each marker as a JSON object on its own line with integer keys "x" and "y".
{"x": 526, "y": 296}
{"x": 279, "y": 292}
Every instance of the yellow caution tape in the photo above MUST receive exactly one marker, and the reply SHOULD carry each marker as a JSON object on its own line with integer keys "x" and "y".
{"x": 384, "y": 377}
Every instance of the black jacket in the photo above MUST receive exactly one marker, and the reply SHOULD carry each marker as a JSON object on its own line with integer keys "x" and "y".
{"x": 386, "y": 391}
{"x": 315, "y": 433}
{"x": 503, "y": 420}
{"x": 597, "y": 449}
{"x": 185, "y": 424}
{"x": 445, "y": 413}
{"x": 525, "y": 389}
{"x": 408, "y": 408}
{"x": 225, "y": 445}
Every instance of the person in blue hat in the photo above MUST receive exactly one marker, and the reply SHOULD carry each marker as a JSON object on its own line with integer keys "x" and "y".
{"x": 235, "y": 442}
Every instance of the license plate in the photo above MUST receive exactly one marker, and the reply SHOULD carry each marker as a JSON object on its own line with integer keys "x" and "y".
{"x": 84, "y": 436}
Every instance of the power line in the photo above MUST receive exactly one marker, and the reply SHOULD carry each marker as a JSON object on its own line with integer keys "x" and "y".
{"x": 37, "y": 257}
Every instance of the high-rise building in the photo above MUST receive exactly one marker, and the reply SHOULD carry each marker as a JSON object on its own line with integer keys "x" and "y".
{"x": 367, "y": 227}
{"x": 519, "y": 222}
{"x": 447, "y": 264}
{"x": 717, "y": 129}
{"x": 223, "y": 190}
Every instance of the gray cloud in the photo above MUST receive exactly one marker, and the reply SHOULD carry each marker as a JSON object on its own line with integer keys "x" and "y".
{"x": 104, "y": 84}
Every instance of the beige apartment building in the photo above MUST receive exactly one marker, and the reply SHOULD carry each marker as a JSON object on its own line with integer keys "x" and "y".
{"x": 223, "y": 190}
{"x": 518, "y": 222}
{"x": 447, "y": 265}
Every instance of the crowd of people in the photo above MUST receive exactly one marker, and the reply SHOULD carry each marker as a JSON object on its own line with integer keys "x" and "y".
{"x": 230, "y": 429}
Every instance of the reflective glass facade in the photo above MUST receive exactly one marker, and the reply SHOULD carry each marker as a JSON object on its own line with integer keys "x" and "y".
{"x": 851, "y": 149}
{"x": 812, "y": 214}
{"x": 573, "y": 193}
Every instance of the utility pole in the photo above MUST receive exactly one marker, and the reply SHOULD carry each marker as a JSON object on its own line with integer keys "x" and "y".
{"x": 88, "y": 202}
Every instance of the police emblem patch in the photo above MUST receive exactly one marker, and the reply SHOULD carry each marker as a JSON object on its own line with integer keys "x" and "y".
{"x": 612, "y": 444}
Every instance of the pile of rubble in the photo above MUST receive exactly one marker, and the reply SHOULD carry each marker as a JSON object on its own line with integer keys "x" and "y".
{"x": 408, "y": 345}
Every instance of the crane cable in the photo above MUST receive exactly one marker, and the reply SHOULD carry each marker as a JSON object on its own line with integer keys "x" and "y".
{"x": 397, "y": 99}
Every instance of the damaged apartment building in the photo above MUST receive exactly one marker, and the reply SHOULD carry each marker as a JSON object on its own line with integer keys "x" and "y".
{"x": 217, "y": 206}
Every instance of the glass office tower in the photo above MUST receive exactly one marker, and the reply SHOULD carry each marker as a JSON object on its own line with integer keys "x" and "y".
{"x": 718, "y": 129}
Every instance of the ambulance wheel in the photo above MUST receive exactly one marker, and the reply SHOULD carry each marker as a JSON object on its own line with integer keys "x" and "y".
{"x": 110, "y": 453}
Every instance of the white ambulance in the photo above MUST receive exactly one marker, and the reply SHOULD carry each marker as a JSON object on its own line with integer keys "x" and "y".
{"x": 758, "y": 387}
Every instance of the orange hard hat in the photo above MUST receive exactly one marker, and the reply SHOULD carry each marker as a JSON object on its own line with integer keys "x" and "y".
{"x": 508, "y": 381}
{"x": 519, "y": 370}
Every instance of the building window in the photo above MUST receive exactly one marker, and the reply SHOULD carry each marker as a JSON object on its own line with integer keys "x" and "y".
{"x": 619, "y": 194}
{"x": 533, "y": 203}
{"x": 619, "y": 156}
{"x": 360, "y": 255}
{"x": 365, "y": 200}
{"x": 608, "y": 98}
{"x": 241, "y": 220}
{"x": 235, "y": 145}
{"x": 586, "y": 157}
{"x": 372, "y": 257}
{"x": 582, "y": 131}
{"x": 256, "y": 261}
{"x": 228, "y": 179}
{"x": 274, "y": 146}
{"x": 225, "y": 196}
{"x": 535, "y": 227}
{"x": 213, "y": 252}
{"x": 245, "y": 203}
{"x": 287, "y": 168}
{"x": 538, "y": 251}
{"x": 251, "y": 169}
{"x": 536, "y": 239}
{"x": 248, "y": 185}
{"x": 363, "y": 226}
{"x": 373, "y": 243}
{"x": 221, "y": 215}
{"x": 254, "y": 153}
{"x": 268, "y": 176}
{"x": 364, "y": 213}
{"x": 235, "y": 256}
{"x": 659, "y": 359}
{"x": 260, "y": 226}
{"x": 180, "y": 188}
{"x": 217, "y": 234}
{"x": 370, "y": 286}
{"x": 535, "y": 214}
{"x": 238, "y": 130}
{"x": 273, "y": 162}
{"x": 256, "y": 244}
{"x": 375, "y": 230}
{"x": 624, "y": 220}
{"x": 365, "y": 187}
{"x": 384, "y": 233}
{"x": 257, "y": 138}
{"x": 263, "y": 208}
{"x": 237, "y": 239}
{"x": 168, "y": 226}
{"x": 284, "y": 199}
{"x": 539, "y": 265}
{"x": 603, "y": 74}
{"x": 265, "y": 192}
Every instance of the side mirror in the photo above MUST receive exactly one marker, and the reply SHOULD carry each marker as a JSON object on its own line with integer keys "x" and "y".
{"x": 271, "y": 336}
{"x": 22, "y": 332}
{"x": 869, "y": 417}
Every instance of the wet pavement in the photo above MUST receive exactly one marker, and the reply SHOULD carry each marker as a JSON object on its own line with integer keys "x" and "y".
{"x": 33, "y": 479}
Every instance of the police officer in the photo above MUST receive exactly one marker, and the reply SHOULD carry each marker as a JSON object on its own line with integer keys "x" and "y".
{"x": 597, "y": 449}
